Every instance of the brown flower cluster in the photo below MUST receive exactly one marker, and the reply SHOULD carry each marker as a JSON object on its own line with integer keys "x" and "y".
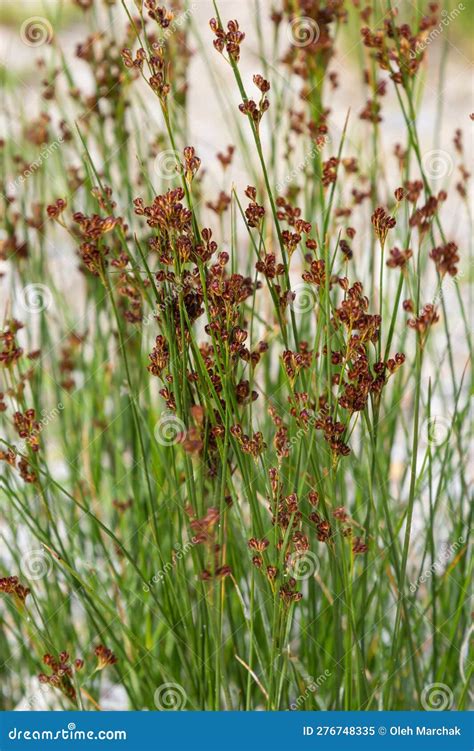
{"x": 157, "y": 64}
{"x": 28, "y": 428}
{"x": 55, "y": 210}
{"x": 11, "y": 585}
{"x": 10, "y": 352}
{"x": 204, "y": 533}
{"x": 424, "y": 320}
{"x": 294, "y": 362}
{"x": 399, "y": 258}
{"x": 254, "y": 212}
{"x": 323, "y": 527}
{"x": 159, "y": 356}
{"x": 254, "y": 446}
{"x": 269, "y": 267}
{"x": 293, "y": 543}
{"x": 105, "y": 657}
{"x": 63, "y": 670}
{"x": 173, "y": 221}
{"x": 311, "y": 36}
{"x": 229, "y": 40}
{"x": 333, "y": 431}
{"x": 131, "y": 301}
{"x": 159, "y": 14}
{"x": 423, "y": 216}
{"x": 252, "y": 109}
{"x": 400, "y": 49}
{"x": 446, "y": 258}
{"x": 61, "y": 674}
{"x": 382, "y": 223}
{"x": 26, "y": 473}
{"x": 92, "y": 251}
{"x": 352, "y": 313}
